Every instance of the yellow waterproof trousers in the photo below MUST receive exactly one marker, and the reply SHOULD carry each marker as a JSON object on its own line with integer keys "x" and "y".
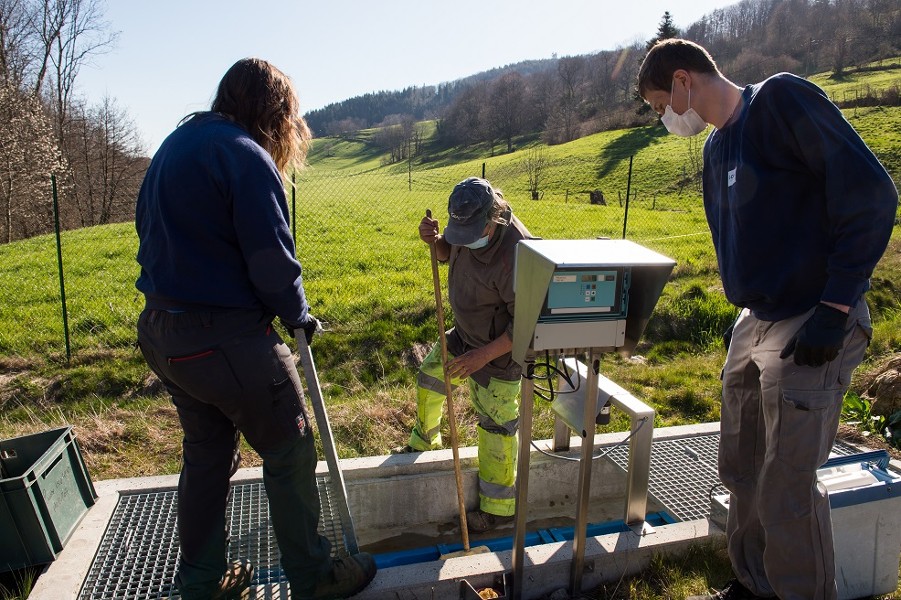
{"x": 497, "y": 403}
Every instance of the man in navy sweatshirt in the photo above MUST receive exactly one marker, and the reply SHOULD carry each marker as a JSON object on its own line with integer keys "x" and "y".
{"x": 800, "y": 211}
{"x": 217, "y": 267}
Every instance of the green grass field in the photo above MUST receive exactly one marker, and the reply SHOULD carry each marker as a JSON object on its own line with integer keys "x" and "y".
{"x": 367, "y": 274}
{"x": 876, "y": 76}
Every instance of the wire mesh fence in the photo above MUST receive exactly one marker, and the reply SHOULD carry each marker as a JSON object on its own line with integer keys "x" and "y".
{"x": 356, "y": 233}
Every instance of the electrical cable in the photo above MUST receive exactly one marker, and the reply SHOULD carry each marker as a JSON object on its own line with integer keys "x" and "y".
{"x": 642, "y": 421}
{"x": 552, "y": 370}
{"x": 547, "y": 377}
{"x": 714, "y": 487}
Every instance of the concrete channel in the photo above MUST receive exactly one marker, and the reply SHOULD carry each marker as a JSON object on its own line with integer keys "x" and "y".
{"x": 404, "y": 510}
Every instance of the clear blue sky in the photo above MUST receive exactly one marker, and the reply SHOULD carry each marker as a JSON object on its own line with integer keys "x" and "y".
{"x": 171, "y": 54}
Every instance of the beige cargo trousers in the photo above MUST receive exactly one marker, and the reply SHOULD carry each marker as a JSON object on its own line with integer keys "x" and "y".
{"x": 778, "y": 425}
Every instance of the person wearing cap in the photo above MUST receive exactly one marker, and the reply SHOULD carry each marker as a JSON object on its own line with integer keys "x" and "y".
{"x": 479, "y": 243}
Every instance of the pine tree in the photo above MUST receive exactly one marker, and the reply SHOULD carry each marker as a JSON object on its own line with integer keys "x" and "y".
{"x": 665, "y": 30}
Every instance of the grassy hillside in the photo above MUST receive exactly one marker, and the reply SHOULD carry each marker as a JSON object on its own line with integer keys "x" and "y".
{"x": 599, "y": 161}
{"x": 368, "y": 275}
{"x": 877, "y": 76}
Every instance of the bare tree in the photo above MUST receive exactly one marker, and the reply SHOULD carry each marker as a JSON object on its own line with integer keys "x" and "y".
{"x": 601, "y": 86}
{"x": 570, "y": 70}
{"x": 400, "y": 136}
{"x": 842, "y": 56}
{"x": 71, "y": 32}
{"x": 534, "y": 163}
{"x": 626, "y": 71}
{"x": 695, "y": 160}
{"x": 543, "y": 89}
{"x": 106, "y": 164}
{"x": 507, "y": 107}
{"x": 463, "y": 122}
{"x": 786, "y": 26}
{"x": 343, "y": 127}
{"x": 119, "y": 153}
{"x": 14, "y": 42}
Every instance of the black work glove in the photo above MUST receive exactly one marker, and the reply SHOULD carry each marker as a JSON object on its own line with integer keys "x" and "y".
{"x": 310, "y": 326}
{"x": 819, "y": 339}
{"x": 727, "y": 335}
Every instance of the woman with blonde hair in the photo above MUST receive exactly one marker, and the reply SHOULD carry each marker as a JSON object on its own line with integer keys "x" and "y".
{"x": 217, "y": 267}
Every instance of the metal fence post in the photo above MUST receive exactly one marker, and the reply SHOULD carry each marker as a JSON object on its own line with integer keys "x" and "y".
{"x": 294, "y": 210}
{"x": 59, "y": 262}
{"x": 628, "y": 192}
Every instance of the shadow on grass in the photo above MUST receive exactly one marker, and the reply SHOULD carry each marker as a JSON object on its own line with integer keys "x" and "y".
{"x": 627, "y": 145}
{"x": 364, "y": 150}
{"x": 436, "y": 154}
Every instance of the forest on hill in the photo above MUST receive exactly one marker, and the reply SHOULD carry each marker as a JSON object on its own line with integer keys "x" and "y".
{"x": 564, "y": 98}
{"x": 98, "y": 160}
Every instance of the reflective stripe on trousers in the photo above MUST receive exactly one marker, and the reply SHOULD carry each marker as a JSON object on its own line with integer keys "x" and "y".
{"x": 497, "y": 405}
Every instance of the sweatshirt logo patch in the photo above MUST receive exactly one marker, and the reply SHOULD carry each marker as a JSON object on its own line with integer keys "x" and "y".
{"x": 730, "y": 177}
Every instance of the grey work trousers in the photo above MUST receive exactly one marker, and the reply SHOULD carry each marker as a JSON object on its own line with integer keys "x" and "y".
{"x": 778, "y": 425}
{"x": 230, "y": 372}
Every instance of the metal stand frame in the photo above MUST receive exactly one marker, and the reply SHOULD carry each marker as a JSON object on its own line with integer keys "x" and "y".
{"x": 522, "y": 474}
{"x": 336, "y": 477}
{"x": 589, "y": 411}
{"x": 641, "y": 437}
{"x": 583, "y": 408}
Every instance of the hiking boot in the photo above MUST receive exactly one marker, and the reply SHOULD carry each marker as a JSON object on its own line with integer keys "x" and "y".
{"x": 733, "y": 590}
{"x": 350, "y": 574}
{"x": 235, "y": 584}
{"x": 403, "y": 449}
{"x": 479, "y": 521}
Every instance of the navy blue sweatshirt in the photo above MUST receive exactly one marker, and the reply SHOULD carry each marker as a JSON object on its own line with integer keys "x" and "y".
{"x": 799, "y": 208}
{"x": 212, "y": 219}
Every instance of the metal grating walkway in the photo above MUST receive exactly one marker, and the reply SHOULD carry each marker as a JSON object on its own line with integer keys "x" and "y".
{"x": 684, "y": 474}
{"x": 138, "y": 554}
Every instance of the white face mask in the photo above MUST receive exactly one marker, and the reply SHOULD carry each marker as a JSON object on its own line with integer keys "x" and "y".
{"x": 687, "y": 124}
{"x": 479, "y": 243}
